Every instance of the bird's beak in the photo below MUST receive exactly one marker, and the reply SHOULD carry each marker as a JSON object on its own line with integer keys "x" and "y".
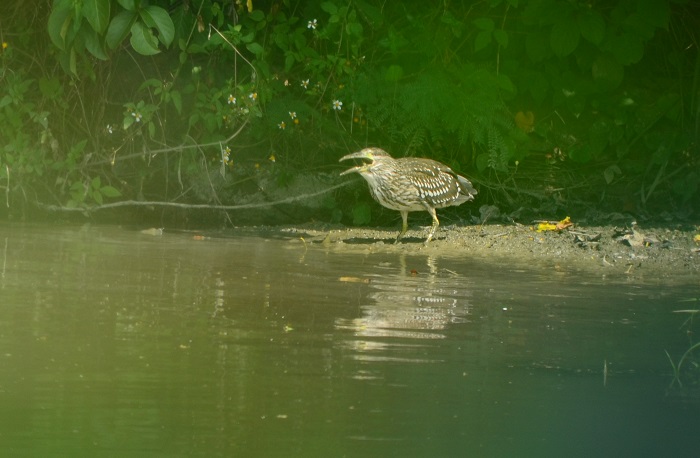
{"x": 357, "y": 155}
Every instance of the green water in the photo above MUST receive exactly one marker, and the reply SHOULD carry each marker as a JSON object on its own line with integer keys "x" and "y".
{"x": 117, "y": 343}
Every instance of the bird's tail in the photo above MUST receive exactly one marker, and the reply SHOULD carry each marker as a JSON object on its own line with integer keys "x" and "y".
{"x": 466, "y": 187}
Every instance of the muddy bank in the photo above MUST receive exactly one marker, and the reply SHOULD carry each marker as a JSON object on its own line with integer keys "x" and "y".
{"x": 642, "y": 253}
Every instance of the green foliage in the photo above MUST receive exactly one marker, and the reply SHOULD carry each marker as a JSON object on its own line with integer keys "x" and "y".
{"x": 76, "y": 26}
{"x": 361, "y": 214}
{"x": 482, "y": 86}
{"x": 83, "y": 193}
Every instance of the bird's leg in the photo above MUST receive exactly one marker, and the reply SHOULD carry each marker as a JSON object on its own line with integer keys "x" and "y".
{"x": 435, "y": 225}
{"x": 404, "y": 227}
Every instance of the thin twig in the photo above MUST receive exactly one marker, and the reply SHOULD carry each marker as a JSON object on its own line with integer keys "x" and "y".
{"x": 137, "y": 203}
{"x": 171, "y": 149}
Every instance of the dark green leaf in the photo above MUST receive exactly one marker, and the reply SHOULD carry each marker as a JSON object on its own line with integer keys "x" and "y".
{"x": 361, "y": 214}
{"x": 627, "y": 48}
{"x": 119, "y": 28}
{"x": 610, "y": 173}
{"x": 255, "y": 48}
{"x": 354, "y": 28}
{"x": 482, "y": 162}
{"x": 129, "y": 5}
{"x": 157, "y": 18}
{"x": 505, "y": 83}
{"x": 537, "y": 46}
{"x": 393, "y": 73}
{"x": 142, "y": 40}
{"x": 592, "y": 27}
{"x": 177, "y": 100}
{"x": 59, "y": 25}
{"x": 329, "y": 7}
{"x": 257, "y": 15}
{"x": 565, "y": 36}
{"x": 289, "y": 61}
{"x": 300, "y": 41}
{"x": 109, "y": 191}
{"x": 93, "y": 43}
{"x": 482, "y": 40}
{"x": 370, "y": 12}
{"x": 72, "y": 62}
{"x": 484, "y": 23}
{"x": 97, "y": 196}
{"x": 97, "y": 14}
{"x": 581, "y": 153}
{"x": 501, "y": 37}
{"x": 96, "y": 182}
{"x": 78, "y": 148}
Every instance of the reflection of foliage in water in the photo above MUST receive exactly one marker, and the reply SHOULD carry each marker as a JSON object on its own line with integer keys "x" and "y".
{"x": 687, "y": 368}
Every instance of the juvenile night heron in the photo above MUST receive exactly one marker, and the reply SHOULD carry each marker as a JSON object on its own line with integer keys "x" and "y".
{"x": 411, "y": 184}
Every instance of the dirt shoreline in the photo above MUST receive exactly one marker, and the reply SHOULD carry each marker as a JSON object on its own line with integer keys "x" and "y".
{"x": 641, "y": 253}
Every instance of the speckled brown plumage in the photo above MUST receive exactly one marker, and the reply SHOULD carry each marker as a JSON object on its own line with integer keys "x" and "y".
{"x": 411, "y": 184}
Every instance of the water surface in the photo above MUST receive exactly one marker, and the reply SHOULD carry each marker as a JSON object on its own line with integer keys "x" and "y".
{"x": 118, "y": 343}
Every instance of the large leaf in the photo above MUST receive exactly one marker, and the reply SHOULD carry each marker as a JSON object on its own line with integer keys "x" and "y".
{"x": 59, "y": 24}
{"x": 329, "y": 7}
{"x": 627, "y": 48}
{"x": 142, "y": 39}
{"x": 564, "y": 36}
{"x": 592, "y": 27}
{"x": 119, "y": 28}
{"x": 255, "y": 48}
{"x": 97, "y": 14}
{"x": 129, "y": 5}
{"x": 93, "y": 43}
{"x": 157, "y": 18}
{"x": 537, "y": 47}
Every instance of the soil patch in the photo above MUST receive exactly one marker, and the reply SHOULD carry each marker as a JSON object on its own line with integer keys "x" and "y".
{"x": 650, "y": 253}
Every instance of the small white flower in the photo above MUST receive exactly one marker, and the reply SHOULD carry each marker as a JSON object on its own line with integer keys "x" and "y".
{"x": 231, "y": 99}
{"x": 337, "y": 105}
{"x": 137, "y": 116}
{"x": 282, "y": 125}
{"x": 226, "y": 155}
{"x": 293, "y": 114}
{"x": 312, "y": 24}
{"x": 305, "y": 84}
{"x": 110, "y": 129}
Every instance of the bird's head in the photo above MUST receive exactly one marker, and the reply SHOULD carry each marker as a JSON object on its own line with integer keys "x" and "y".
{"x": 369, "y": 157}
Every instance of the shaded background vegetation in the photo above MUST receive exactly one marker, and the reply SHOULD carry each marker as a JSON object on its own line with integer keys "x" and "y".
{"x": 549, "y": 106}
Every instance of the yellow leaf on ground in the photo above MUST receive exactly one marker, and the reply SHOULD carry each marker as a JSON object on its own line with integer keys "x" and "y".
{"x": 546, "y": 227}
{"x": 550, "y": 226}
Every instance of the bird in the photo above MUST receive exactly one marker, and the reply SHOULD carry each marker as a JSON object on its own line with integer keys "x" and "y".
{"x": 410, "y": 184}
